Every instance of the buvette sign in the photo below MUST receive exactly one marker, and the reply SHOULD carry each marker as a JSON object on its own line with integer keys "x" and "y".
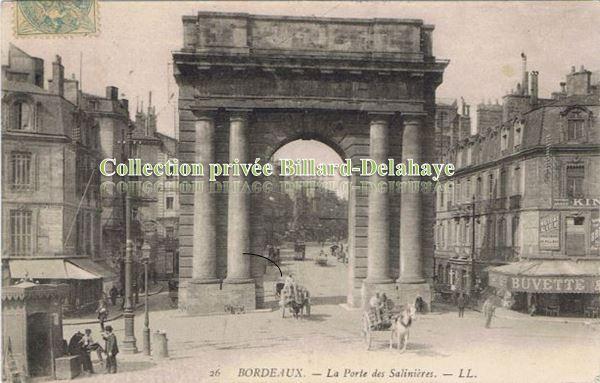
{"x": 545, "y": 284}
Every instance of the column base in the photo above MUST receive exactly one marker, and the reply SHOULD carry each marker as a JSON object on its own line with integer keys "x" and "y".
{"x": 206, "y": 298}
{"x": 409, "y": 280}
{"x": 408, "y": 293}
{"x": 129, "y": 346}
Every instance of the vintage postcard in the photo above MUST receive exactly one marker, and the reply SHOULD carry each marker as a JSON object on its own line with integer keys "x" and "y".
{"x": 347, "y": 191}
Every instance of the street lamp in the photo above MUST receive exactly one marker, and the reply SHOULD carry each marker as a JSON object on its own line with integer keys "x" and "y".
{"x": 145, "y": 261}
{"x": 129, "y": 341}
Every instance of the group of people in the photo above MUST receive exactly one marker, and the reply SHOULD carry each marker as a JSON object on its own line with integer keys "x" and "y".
{"x": 83, "y": 344}
{"x": 382, "y": 308}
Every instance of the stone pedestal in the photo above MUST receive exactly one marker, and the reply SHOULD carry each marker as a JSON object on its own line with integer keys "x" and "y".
{"x": 206, "y": 298}
{"x": 67, "y": 367}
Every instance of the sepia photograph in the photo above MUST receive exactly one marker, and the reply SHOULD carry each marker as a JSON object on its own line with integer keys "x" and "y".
{"x": 300, "y": 191}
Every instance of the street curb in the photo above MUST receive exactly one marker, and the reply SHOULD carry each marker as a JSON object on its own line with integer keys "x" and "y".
{"x": 183, "y": 314}
{"x": 118, "y": 316}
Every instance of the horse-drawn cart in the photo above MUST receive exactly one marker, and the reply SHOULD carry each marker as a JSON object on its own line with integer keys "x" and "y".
{"x": 299, "y": 251}
{"x": 296, "y": 299}
{"x": 392, "y": 322}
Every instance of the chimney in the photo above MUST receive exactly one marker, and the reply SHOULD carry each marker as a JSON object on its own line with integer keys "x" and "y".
{"x": 534, "y": 87}
{"x": 57, "y": 83}
{"x": 525, "y": 82}
{"x": 563, "y": 87}
{"x": 579, "y": 83}
{"x": 112, "y": 93}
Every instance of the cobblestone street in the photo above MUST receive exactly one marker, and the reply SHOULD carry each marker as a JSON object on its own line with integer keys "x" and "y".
{"x": 440, "y": 342}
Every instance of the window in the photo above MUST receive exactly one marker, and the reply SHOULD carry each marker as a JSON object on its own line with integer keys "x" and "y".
{"x": 467, "y": 190}
{"x": 575, "y": 129}
{"x": 517, "y": 181}
{"x": 20, "y": 232}
{"x": 518, "y": 133}
{"x": 503, "y": 183}
{"x": 515, "y": 231}
{"x": 20, "y": 171}
{"x": 504, "y": 141}
{"x": 575, "y": 236}
{"x": 169, "y": 232}
{"x": 169, "y": 203}
{"x": 479, "y": 188}
{"x": 23, "y": 116}
{"x": 501, "y": 232}
{"x": 575, "y": 175}
{"x": 491, "y": 186}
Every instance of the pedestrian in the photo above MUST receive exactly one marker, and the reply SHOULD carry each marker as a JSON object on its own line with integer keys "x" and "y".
{"x": 102, "y": 313}
{"x": 111, "y": 349}
{"x": 488, "y": 312}
{"x": 113, "y": 295}
{"x": 376, "y": 307}
{"x": 91, "y": 345}
{"x": 84, "y": 354}
{"x": 460, "y": 302}
{"x": 74, "y": 343}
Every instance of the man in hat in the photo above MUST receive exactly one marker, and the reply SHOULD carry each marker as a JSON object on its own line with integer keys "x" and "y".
{"x": 111, "y": 348}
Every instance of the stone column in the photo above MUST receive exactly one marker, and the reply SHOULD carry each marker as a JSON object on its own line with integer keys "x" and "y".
{"x": 411, "y": 270}
{"x": 238, "y": 210}
{"x": 378, "y": 235}
{"x": 204, "y": 264}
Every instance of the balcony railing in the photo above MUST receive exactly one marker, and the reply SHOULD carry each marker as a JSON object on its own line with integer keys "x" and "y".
{"x": 499, "y": 254}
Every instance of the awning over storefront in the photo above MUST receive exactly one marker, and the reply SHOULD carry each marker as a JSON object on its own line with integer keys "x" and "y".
{"x": 96, "y": 268}
{"x": 547, "y": 276}
{"x": 48, "y": 269}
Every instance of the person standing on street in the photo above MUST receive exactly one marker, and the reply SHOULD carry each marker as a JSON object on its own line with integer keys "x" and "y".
{"x": 488, "y": 312}
{"x": 460, "y": 302}
{"x": 113, "y": 295}
{"x": 102, "y": 313}
{"x": 112, "y": 349}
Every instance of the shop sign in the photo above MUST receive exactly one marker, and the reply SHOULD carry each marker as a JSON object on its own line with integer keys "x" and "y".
{"x": 549, "y": 231}
{"x": 576, "y": 202}
{"x": 546, "y": 284}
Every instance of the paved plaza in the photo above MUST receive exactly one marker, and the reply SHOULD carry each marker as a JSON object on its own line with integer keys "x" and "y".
{"x": 515, "y": 349}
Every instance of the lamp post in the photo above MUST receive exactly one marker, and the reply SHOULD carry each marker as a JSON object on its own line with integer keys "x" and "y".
{"x": 146, "y": 260}
{"x": 129, "y": 341}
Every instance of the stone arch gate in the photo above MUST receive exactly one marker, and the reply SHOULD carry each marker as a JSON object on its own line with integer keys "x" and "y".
{"x": 247, "y": 85}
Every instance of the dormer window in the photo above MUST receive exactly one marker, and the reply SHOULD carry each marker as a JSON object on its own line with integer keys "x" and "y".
{"x": 504, "y": 140}
{"x": 22, "y": 116}
{"x": 575, "y": 129}
{"x": 518, "y": 129}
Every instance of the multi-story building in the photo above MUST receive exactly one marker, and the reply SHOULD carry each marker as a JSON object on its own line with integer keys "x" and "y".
{"x": 521, "y": 213}
{"x": 50, "y": 184}
{"x": 157, "y": 203}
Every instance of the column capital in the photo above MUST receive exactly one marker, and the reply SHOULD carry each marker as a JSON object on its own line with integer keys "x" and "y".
{"x": 380, "y": 117}
{"x": 413, "y": 118}
{"x": 205, "y": 113}
{"x": 237, "y": 114}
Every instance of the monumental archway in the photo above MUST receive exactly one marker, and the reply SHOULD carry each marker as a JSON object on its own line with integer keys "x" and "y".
{"x": 247, "y": 85}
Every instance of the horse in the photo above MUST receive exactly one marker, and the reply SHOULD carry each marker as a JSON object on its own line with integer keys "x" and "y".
{"x": 400, "y": 328}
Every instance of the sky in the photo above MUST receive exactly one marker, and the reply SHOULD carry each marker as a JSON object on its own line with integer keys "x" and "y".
{"x": 482, "y": 40}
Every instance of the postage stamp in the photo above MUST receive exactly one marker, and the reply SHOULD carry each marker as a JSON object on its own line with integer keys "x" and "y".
{"x": 56, "y": 17}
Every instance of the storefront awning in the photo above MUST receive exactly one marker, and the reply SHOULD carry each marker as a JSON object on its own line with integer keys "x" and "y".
{"x": 60, "y": 269}
{"x": 547, "y": 276}
{"x": 96, "y": 268}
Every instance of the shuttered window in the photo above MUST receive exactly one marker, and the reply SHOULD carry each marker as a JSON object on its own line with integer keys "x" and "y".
{"x": 20, "y": 233}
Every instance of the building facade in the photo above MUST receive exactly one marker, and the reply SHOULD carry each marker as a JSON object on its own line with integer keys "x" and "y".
{"x": 520, "y": 215}
{"x": 50, "y": 186}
